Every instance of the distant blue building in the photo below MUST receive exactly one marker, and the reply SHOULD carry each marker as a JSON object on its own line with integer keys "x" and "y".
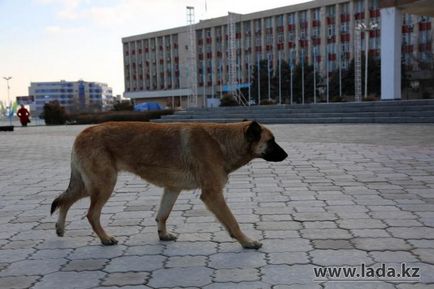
{"x": 75, "y": 96}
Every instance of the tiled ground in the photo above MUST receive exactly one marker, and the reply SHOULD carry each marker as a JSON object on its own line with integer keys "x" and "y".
{"x": 346, "y": 195}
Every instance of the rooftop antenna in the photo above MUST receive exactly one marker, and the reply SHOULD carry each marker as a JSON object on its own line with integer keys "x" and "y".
{"x": 191, "y": 63}
{"x": 233, "y": 86}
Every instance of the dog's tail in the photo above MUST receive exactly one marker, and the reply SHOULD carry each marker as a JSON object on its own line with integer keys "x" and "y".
{"x": 74, "y": 192}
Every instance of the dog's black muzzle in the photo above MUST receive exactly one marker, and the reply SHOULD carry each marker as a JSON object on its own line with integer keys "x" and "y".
{"x": 274, "y": 153}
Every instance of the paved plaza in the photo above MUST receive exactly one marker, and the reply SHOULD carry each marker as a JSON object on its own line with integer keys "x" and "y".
{"x": 347, "y": 195}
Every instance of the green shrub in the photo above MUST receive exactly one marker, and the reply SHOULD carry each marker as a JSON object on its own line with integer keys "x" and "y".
{"x": 370, "y": 98}
{"x": 53, "y": 113}
{"x": 124, "y": 105}
{"x": 94, "y": 118}
{"x": 337, "y": 98}
{"x": 228, "y": 100}
{"x": 267, "y": 102}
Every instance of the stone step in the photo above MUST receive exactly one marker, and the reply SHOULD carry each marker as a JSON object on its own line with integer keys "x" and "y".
{"x": 271, "y": 120}
{"x": 418, "y": 111}
{"x": 252, "y": 115}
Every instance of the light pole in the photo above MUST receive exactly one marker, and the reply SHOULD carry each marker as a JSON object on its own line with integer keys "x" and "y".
{"x": 8, "y": 100}
{"x": 366, "y": 28}
{"x": 314, "y": 68}
{"x": 291, "y": 72}
{"x": 269, "y": 77}
{"x": 339, "y": 57}
{"x": 327, "y": 74}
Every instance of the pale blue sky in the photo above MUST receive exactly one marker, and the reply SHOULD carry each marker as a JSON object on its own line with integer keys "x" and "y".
{"x": 50, "y": 40}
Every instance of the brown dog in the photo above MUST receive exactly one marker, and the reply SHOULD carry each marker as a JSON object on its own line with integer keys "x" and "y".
{"x": 181, "y": 156}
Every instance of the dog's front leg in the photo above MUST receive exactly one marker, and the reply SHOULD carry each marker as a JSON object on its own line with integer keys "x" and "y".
{"x": 216, "y": 203}
{"x": 167, "y": 201}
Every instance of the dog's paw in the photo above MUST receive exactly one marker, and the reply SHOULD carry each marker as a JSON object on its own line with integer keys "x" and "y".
{"x": 167, "y": 237}
{"x": 60, "y": 231}
{"x": 109, "y": 242}
{"x": 252, "y": 245}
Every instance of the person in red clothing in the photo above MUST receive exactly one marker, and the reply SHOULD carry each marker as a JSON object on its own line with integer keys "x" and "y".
{"x": 23, "y": 114}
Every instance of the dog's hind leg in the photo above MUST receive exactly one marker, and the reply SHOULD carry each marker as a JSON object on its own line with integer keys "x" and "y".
{"x": 73, "y": 193}
{"x": 100, "y": 191}
{"x": 167, "y": 202}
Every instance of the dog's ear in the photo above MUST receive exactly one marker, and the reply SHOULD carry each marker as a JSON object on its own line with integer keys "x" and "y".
{"x": 253, "y": 132}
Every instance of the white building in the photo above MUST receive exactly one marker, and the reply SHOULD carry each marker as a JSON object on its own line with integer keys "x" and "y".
{"x": 157, "y": 64}
{"x": 74, "y": 96}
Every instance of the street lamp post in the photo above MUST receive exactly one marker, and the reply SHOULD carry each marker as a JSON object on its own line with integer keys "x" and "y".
{"x": 8, "y": 100}
{"x": 366, "y": 28}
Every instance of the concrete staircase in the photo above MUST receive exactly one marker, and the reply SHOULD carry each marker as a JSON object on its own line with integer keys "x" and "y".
{"x": 414, "y": 111}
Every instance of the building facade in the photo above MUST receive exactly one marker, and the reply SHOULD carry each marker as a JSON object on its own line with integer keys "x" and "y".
{"x": 74, "y": 96}
{"x": 321, "y": 32}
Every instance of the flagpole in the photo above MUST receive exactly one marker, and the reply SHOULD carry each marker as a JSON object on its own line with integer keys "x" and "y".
{"x": 291, "y": 73}
{"x": 302, "y": 76}
{"x": 248, "y": 72}
{"x": 204, "y": 80}
{"x": 280, "y": 78}
{"x": 269, "y": 80}
{"x": 259, "y": 82}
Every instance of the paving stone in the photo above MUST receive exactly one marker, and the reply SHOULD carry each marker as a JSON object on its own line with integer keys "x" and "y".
{"x": 373, "y": 233}
{"x": 414, "y": 286}
{"x": 360, "y": 224}
{"x": 285, "y": 245}
{"x": 186, "y": 261}
{"x": 358, "y": 285}
{"x": 144, "y": 250}
{"x": 422, "y": 243}
{"x": 393, "y": 256}
{"x": 85, "y": 265}
{"x": 402, "y": 222}
{"x": 412, "y": 232}
{"x": 236, "y": 260}
{"x": 332, "y": 244}
{"x": 97, "y": 252}
{"x": 314, "y": 216}
{"x": 190, "y": 248}
{"x": 339, "y": 257}
{"x": 425, "y": 255}
{"x": 393, "y": 215}
{"x": 182, "y": 277}
{"x": 281, "y": 234}
{"x": 238, "y": 285}
{"x": 17, "y": 282}
{"x": 373, "y": 244}
{"x": 51, "y": 254}
{"x": 70, "y": 280}
{"x": 33, "y": 267}
{"x": 289, "y": 258}
{"x": 325, "y": 234}
{"x": 279, "y": 226}
{"x": 320, "y": 225}
{"x": 128, "y": 278}
{"x": 9, "y": 255}
{"x": 236, "y": 275}
{"x": 135, "y": 263}
{"x": 297, "y": 286}
{"x": 285, "y": 274}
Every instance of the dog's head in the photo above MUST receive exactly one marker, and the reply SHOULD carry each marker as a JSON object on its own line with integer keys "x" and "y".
{"x": 263, "y": 144}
